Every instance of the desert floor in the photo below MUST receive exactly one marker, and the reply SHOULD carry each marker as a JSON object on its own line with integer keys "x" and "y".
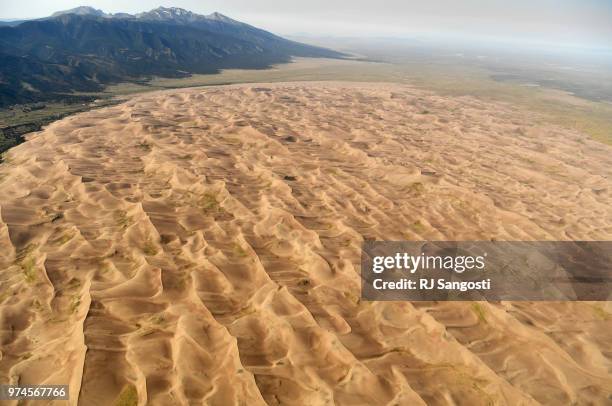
{"x": 203, "y": 246}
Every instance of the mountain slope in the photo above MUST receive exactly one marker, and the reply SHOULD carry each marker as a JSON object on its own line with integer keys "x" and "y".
{"x": 84, "y": 49}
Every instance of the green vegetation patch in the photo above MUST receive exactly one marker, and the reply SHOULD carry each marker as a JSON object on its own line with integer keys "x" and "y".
{"x": 418, "y": 226}
{"x": 27, "y": 263}
{"x": 64, "y": 238}
{"x": 239, "y": 251}
{"x": 127, "y": 397}
{"x": 601, "y": 313}
{"x": 29, "y": 270}
{"x": 209, "y": 204}
{"x": 122, "y": 219}
{"x": 145, "y": 146}
{"x": 75, "y": 302}
{"x": 480, "y": 312}
{"x": 417, "y": 188}
{"x": 149, "y": 247}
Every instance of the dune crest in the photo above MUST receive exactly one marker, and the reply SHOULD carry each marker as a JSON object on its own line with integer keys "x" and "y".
{"x": 203, "y": 245}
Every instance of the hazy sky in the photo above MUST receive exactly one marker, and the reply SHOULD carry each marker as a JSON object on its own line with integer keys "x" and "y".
{"x": 586, "y": 22}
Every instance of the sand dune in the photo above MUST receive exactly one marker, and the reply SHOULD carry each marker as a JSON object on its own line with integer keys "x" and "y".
{"x": 202, "y": 246}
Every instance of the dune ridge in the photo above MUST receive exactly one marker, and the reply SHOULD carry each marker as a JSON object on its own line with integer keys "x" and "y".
{"x": 203, "y": 245}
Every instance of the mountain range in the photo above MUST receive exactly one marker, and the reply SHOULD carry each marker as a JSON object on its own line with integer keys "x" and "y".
{"x": 85, "y": 49}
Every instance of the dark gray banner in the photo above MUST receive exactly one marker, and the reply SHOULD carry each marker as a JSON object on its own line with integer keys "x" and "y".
{"x": 487, "y": 270}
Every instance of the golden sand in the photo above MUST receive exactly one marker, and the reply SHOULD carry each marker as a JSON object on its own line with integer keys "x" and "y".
{"x": 203, "y": 246}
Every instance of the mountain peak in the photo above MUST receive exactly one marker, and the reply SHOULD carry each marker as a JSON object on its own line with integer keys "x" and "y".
{"x": 169, "y": 13}
{"x": 82, "y": 10}
{"x": 181, "y": 15}
{"x": 175, "y": 11}
{"x": 220, "y": 17}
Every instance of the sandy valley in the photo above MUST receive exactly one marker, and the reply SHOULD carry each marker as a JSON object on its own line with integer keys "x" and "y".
{"x": 203, "y": 245}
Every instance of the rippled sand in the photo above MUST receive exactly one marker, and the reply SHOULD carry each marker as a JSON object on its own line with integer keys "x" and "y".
{"x": 203, "y": 246}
